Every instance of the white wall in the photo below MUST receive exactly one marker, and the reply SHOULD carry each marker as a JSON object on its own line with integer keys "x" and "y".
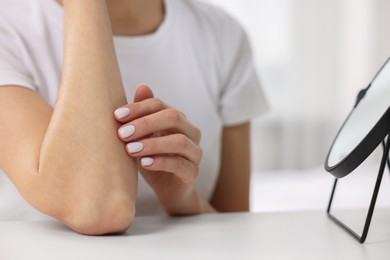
{"x": 313, "y": 56}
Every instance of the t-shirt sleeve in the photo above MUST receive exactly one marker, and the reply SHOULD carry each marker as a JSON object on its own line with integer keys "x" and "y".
{"x": 12, "y": 68}
{"x": 242, "y": 97}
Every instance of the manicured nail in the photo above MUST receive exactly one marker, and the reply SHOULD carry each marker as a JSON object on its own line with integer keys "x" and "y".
{"x": 134, "y": 147}
{"x": 122, "y": 112}
{"x": 147, "y": 161}
{"x": 126, "y": 131}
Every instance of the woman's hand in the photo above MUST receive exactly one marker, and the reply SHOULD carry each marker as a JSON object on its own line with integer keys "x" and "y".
{"x": 167, "y": 147}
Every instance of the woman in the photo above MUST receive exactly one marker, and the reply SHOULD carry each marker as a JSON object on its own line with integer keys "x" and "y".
{"x": 72, "y": 144}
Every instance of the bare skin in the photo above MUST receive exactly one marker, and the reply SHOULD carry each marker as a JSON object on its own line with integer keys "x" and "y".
{"x": 134, "y": 17}
{"x": 73, "y": 164}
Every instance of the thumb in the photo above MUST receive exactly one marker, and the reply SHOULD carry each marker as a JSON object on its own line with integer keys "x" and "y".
{"x": 143, "y": 92}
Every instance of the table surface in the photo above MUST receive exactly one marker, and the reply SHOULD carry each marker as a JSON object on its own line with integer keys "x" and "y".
{"x": 288, "y": 235}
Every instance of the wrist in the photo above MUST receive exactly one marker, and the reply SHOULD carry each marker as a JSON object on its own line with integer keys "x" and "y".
{"x": 193, "y": 204}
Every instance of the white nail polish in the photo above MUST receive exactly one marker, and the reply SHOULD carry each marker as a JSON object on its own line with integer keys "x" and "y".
{"x": 147, "y": 161}
{"x": 126, "y": 131}
{"x": 134, "y": 147}
{"x": 122, "y": 112}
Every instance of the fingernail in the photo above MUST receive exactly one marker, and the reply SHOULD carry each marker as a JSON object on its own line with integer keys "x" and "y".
{"x": 122, "y": 112}
{"x": 134, "y": 147}
{"x": 147, "y": 161}
{"x": 126, "y": 131}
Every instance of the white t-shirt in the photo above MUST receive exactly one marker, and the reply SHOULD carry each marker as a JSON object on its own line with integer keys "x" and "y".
{"x": 199, "y": 61}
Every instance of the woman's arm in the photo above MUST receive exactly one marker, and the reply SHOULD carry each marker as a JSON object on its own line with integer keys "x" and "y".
{"x": 232, "y": 189}
{"x": 67, "y": 161}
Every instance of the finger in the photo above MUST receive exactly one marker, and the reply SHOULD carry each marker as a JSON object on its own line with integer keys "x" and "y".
{"x": 143, "y": 92}
{"x": 170, "y": 144}
{"x": 185, "y": 170}
{"x": 133, "y": 111}
{"x": 165, "y": 120}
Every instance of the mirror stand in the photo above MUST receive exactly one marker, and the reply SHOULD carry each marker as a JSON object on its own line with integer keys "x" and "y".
{"x": 362, "y": 238}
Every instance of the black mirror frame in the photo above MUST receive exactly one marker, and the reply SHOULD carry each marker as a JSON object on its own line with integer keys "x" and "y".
{"x": 369, "y": 143}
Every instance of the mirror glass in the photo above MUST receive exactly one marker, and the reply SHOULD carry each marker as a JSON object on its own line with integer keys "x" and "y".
{"x": 363, "y": 118}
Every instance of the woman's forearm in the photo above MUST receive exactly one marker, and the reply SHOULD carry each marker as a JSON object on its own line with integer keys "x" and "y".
{"x": 83, "y": 166}
{"x": 90, "y": 60}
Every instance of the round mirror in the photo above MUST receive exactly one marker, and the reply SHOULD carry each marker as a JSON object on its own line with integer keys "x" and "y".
{"x": 365, "y": 127}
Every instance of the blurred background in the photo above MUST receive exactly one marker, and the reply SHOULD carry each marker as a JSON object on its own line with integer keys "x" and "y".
{"x": 313, "y": 57}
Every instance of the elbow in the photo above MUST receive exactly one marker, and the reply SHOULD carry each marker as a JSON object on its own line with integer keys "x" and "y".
{"x": 109, "y": 217}
{"x": 92, "y": 207}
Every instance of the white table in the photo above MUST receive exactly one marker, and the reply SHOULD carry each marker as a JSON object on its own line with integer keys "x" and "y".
{"x": 293, "y": 235}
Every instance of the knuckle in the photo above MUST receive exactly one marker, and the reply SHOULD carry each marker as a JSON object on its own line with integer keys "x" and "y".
{"x": 158, "y": 103}
{"x": 173, "y": 115}
{"x": 181, "y": 163}
{"x": 199, "y": 153}
{"x": 198, "y": 134}
{"x": 182, "y": 114}
{"x": 184, "y": 142}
